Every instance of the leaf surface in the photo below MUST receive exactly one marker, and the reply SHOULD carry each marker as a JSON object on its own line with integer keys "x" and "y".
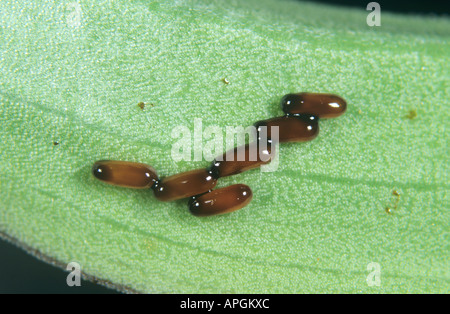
{"x": 314, "y": 225}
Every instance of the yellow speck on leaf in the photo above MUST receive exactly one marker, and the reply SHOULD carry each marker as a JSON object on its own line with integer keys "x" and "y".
{"x": 412, "y": 114}
{"x": 141, "y": 105}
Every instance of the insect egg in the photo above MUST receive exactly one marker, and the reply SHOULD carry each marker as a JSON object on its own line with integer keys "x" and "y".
{"x": 241, "y": 159}
{"x": 184, "y": 185}
{"x": 125, "y": 173}
{"x": 320, "y": 105}
{"x": 221, "y": 201}
{"x": 291, "y": 129}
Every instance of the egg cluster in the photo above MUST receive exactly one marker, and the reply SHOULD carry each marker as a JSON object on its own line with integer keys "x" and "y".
{"x": 300, "y": 123}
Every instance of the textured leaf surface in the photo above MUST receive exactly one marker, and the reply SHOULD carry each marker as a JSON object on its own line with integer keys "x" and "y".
{"x": 313, "y": 225}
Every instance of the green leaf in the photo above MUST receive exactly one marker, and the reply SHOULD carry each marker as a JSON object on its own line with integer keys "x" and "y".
{"x": 314, "y": 225}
